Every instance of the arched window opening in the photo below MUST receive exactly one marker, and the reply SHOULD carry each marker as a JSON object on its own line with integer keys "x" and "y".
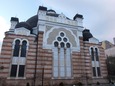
{"x": 23, "y": 49}
{"x": 56, "y": 44}
{"x": 62, "y": 45}
{"x": 62, "y": 57}
{"x": 95, "y": 62}
{"x": 92, "y": 54}
{"x": 18, "y": 63}
{"x": 96, "y": 53}
{"x": 16, "y": 48}
{"x": 68, "y": 45}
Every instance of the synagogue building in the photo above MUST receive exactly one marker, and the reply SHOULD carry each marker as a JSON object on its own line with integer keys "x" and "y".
{"x": 50, "y": 49}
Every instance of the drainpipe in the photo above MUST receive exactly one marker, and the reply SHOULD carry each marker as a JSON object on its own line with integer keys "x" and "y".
{"x": 35, "y": 72}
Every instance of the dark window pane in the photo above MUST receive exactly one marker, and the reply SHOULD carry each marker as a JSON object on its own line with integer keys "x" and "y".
{"x": 68, "y": 45}
{"x": 96, "y": 53}
{"x": 94, "y": 71}
{"x": 21, "y": 71}
{"x": 65, "y": 39}
{"x": 13, "y": 71}
{"x": 98, "y": 71}
{"x": 56, "y": 44}
{"x": 62, "y": 44}
{"x": 92, "y": 54}
{"x": 59, "y": 39}
{"x": 23, "y": 49}
{"x": 16, "y": 48}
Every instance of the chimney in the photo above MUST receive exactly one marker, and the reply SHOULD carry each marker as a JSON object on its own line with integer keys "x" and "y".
{"x": 42, "y": 11}
{"x": 79, "y": 19}
{"x": 13, "y": 21}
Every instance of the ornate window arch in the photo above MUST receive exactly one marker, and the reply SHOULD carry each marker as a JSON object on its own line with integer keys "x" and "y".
{"x": 94, "y": 52}
{"x": 62, "y": 57}
{"x": 16, "y": 48}
{"x": 20, "y": 48}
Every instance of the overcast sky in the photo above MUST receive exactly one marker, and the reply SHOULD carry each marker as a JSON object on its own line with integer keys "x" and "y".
{"x": 99, "y": 15}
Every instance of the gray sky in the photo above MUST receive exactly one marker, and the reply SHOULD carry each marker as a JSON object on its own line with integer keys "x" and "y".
{"x": 98, "y": 14}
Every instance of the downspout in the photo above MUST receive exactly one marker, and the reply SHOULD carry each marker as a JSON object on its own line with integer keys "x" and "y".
{"x": 36, "y": 40}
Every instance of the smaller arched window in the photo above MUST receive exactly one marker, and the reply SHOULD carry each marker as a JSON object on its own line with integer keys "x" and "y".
{"x": 62, "y": 45}
{"x": 96, "y": 53}
{"x": 68, "y": 45}
{"x": 16, "y": 48}
{"x": 92, "y": 54}
{"x": 56, "y": 44}
{"x": 23, "y": 48}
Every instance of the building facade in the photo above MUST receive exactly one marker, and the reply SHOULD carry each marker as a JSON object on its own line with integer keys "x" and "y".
{"x": 109, "y": 48}
{"x": 49, "y": 49}
{"x": 106, "y": 44}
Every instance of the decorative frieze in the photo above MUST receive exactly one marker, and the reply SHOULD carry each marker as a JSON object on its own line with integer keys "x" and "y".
{"x": 22, "y": 31}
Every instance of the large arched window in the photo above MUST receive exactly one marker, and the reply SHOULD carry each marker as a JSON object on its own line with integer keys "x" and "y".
{"x": 62, "y": 57}
{"x": 18, "y": 63}
{"x": 94, "y": 51}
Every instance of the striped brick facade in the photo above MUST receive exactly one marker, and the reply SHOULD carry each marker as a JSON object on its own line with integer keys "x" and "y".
{"x": 81, "y": 62}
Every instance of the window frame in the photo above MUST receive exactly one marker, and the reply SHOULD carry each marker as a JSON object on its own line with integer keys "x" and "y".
{"x": 19, "y": 58}
{"x": 59, "y": 47}
{"x": 95, "y": 62}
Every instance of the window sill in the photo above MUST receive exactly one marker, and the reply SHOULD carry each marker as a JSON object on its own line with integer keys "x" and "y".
{"x": 16, "y": 78}
{"x": 63, "y": 78}
{"x": 97, "y": 77}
